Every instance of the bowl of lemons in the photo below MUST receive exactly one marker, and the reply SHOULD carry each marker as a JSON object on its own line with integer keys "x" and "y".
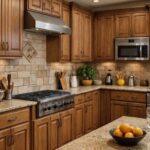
{"x": 127, "y": 135}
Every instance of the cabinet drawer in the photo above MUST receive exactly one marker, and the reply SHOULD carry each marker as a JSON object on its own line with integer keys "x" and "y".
{"x": 13, "y": 118}
{"x": 79, "y": 99}
{"x": 88, "y": 96}
{"x": 129, "y": 96}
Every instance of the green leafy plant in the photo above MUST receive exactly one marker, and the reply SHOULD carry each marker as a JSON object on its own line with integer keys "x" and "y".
{"x": 86, "y": 72}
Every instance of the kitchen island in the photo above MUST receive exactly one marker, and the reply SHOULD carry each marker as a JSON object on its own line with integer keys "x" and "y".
{"x": 100, "y": 139}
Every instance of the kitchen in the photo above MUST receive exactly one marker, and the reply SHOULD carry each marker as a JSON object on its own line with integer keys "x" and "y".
{"x": 34, "y": 114}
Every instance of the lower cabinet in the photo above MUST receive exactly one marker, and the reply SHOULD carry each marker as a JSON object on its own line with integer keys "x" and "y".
{"x": 105, "y": 107}
{"x": 54, "y": 131}
{"x": 15, "y": 138}
{"x": 88, "y": 125}
{"x": 79, "y": 120}
{"x": 87, "y": 113}
{"x": 42, "y": 134}
{"x": 119, "y": 109}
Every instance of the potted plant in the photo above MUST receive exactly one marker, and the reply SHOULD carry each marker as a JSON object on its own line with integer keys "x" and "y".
{"x": 86, "y": 73}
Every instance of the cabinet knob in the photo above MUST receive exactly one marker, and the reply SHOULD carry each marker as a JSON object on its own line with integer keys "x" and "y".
{"x": 3, "y": 46}
{"x": 6, "y": 45}
{"x": 9, "y": 140}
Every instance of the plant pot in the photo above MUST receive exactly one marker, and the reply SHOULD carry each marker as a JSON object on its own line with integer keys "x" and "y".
{"x": 87, "y": 82}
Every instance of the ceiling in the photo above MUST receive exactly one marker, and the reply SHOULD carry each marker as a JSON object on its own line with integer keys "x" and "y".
{"x": 109, "y": 3}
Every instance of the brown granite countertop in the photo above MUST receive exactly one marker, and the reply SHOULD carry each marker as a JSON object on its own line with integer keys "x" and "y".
{"x": 100, "y": 139}
{"x": 9, "y": 105}
{"x": 84, "y": 89}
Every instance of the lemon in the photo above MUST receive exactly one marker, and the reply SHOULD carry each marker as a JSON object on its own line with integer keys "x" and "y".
{"x": 137, "y": 131}
{"x": 124, "y": 128}
{"x": 118, "y": 133}
{"x": 129, "y": 135}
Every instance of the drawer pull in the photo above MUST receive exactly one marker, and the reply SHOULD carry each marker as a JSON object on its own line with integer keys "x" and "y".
{"x": 9, "y": 140}
{"x": 12, "y": 119}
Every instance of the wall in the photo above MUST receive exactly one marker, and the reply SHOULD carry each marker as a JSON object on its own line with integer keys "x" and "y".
{"x": 38, "y": 75}
{"x": 140, "y": 70}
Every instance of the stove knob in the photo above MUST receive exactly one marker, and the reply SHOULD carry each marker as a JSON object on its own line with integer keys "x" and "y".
{"x": 44, "y": 109}
{"x": 55, "y": 106}
{"x": 49, "y": 108}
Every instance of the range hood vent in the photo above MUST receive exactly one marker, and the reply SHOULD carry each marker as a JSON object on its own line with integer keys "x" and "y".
{"x": 36, "y": 22}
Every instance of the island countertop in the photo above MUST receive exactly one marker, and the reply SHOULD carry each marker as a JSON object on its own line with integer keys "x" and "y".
{"x": 100, "y": 139}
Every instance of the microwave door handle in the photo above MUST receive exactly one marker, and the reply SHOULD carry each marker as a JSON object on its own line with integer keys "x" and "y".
{"x": 141, "y": 51}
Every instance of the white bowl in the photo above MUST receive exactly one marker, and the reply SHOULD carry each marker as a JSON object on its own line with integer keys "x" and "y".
{"x": 98, "y": 82}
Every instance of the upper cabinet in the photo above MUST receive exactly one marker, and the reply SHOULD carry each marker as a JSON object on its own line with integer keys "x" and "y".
{"x": 58, "y": 47}
{"x": 11, "y": 27}
{"x": 132, "y": 24}
{"x": 56, "y": 8}
{"x": 81, "y": 50}
{"x": 103, "y": 37}
{"x": 50, "y": 7}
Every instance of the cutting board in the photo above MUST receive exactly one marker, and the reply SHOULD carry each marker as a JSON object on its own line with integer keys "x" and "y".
{"x": 63, "y": 82}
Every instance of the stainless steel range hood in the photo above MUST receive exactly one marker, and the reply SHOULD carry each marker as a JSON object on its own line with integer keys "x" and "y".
{"x": 36, "y": 22}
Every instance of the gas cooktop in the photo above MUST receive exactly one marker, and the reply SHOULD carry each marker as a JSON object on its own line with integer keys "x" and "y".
{"x": 49, "y": 101}
{"x": 45, "y": 95}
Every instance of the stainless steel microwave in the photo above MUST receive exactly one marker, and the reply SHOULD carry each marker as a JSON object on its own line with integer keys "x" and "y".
{"x": 132, "y": 48}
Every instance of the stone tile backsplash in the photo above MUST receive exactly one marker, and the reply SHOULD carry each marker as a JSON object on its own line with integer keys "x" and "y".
{"x": 38, "y": 75}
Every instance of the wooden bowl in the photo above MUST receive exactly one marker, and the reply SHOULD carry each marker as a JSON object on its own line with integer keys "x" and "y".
{"x": 87, "y": 82}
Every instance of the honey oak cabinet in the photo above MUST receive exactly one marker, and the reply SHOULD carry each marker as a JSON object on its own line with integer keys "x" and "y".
{"x": 104, "y": 37}
{"x": 132, "y": 24}
{"x": 105, "y": 107}
{"x": 56, "y": 8}
{"x": 96, "y": 109}
{"x": 58, "y": 47}
{"x": 11, "y": 27}
{"x": 81, "y": 47}
{"x": 61, "y": 128}
{"x": 42, "y": 134}
{"x": 49, "y": 7}
{"x": 128, "y": 104}
{"x": 79, "y": 120}
{"x": 88, "y": 106}
{"x": 15, "y": 130}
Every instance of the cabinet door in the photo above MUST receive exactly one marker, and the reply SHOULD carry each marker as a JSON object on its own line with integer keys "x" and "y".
{"x": 107, "y": 37}
{"x": 79, "y": 120}
{"x": 15, "y": 10}
{"x": 96, "y": 109}
{"x": 35, "y": 5}
{"x": 65, "y": 48}
{"x": 118, "y": 109}
{"x": 123, "y": 25}
{"x": 97, "y": 35}
{"x": 76, "y": 36}
{"x": 140, "y": 24}
{"x": 88, "y": 123}
{"x": 66, "y": 129}
{"x": 46, "y": 6}
{"x": 105, "y": 107}
{"x": 5, "y": 139}
{"x": 86, "y": 37}
{"x": 55, "y": 123}
{"x": 57, "y": 8}
{"x": 137, "y": 110}
{"x": 42, "y": 134}
{"x": 21, "y": 137}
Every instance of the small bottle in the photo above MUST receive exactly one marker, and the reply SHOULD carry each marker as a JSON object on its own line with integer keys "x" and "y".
{"x": 109, "y": 80}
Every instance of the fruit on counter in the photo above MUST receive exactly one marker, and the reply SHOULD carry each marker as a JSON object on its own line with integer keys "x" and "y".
{"x": 118, "y": 133}
{"x": 125, "y": 128}
{"x": 137, "y": 131}
{"x": 127, "y": 131}
{"x": 129, "y": 135}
